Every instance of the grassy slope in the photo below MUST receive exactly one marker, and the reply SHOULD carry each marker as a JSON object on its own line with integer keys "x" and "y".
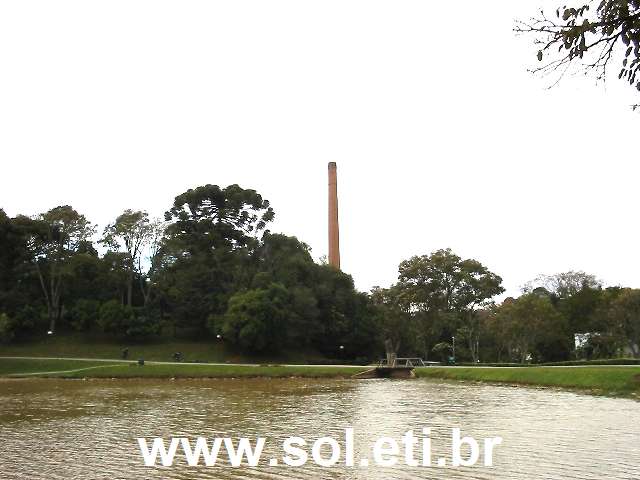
{"x": 218, "y": 371}
{"x": 605, "y": 380}
{"x": 10, "y": 366}
{"x": 84, "y": 369}
{"x": 162, "y": 350}
{"x": 624, "y": 381}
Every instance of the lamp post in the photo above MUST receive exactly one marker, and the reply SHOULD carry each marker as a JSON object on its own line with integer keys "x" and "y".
{"x": 453, "y": 338}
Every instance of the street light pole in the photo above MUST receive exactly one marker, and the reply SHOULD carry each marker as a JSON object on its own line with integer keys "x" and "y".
{"x": 454, "y": 348}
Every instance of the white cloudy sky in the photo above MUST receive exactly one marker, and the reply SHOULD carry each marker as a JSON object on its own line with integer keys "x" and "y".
{"x": 442, "y": 138}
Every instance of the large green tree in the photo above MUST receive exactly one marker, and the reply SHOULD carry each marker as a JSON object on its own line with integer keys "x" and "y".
{"x": 564, "y": 284}
{"x": 445, "y": 285}
{"x": 344, "y": 314}
{"x": 396, "y": 323}
{"x": 525, "y": 325}
{"x": 257, "y": 320}
{"x": 287, "y": 261}
{"x": 209, "y": 217}
{"x": 53, "y": 238}
{"x": 13, "y": 256}
{"x": 324, "y": 310}
{"x": 625, "y": 318}
{"x": 211, "y": 234}
{"x": 129, "y": 234}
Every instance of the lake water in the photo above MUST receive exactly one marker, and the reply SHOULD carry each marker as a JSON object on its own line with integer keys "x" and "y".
{"x": 63, "y": 429}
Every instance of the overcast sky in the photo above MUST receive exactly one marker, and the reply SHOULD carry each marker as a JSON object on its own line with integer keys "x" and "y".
{"x": 441, "y": 137}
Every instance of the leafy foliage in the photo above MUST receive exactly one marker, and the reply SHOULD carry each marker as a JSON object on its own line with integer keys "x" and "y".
{"x": 52, "y": 239}
{"x": 7, "y": 328}
{"x": 125, "y": 321}
{"x": 210, "y": 217}
{"x": 114, "y": 317}
{"x": 83, "y": 313}
{"x": 213, "y": 269}
{"x": 589, "y": 36}
{"x": 257, "y": 319}
{"x": 130, "y": 232}
{"x": 525, "y": 325}
{"x": 448, "y": 290}
{"x": 625, "y": 317}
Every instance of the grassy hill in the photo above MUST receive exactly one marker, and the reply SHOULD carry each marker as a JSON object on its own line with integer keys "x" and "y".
{"x": 609, "y": 380}
{"x": 76, "y": 345}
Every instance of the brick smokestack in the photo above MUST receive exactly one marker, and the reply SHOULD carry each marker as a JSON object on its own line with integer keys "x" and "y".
{"x": 334, "y": 232}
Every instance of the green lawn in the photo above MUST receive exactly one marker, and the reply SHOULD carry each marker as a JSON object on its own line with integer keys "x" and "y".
{"x": 71, "y": 347}
{"x": 96, "y": 369}
{"x": 161, "y": 350}
{"x": 217, "y": 371}
{"x": 11, "y": 366}
{"x": 622, "y": 380}
{"x": 616, "y": 381}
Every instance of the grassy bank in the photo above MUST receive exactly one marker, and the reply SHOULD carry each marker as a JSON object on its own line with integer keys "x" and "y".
{"x": 568, "y": 363}
{"x": 52, "y": 368}
{"x": 622, "y": 381}
{"x": 11, "y": 366}
{"x": 605, "y": 380}
{"x": 77, "y": 345}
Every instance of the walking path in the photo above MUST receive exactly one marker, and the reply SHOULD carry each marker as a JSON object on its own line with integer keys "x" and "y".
{"x": 59, "y": 371}
{"x": 173, "y": 363}
{"x": 117, "y": 360}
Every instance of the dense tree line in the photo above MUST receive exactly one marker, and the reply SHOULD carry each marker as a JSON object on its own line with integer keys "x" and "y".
{"x": 567, "y": 316}
{"x": 443, "y": 306}
{"x": 211, "y": 269}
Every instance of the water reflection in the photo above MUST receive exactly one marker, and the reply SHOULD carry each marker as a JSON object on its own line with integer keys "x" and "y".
{"x": 57, "y": 429}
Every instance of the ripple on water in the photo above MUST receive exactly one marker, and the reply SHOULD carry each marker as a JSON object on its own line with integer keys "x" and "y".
{"x": 55, "y": 429}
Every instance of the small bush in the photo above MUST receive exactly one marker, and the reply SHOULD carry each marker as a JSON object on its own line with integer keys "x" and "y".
{"x": 114, "y": 317}
{"x": 125, "y": 321}
{"x": 7, "y": 328}
{"x": 84, "y": 313}
{"x": 26, "y": 319}
{"x": 142, "y": 323}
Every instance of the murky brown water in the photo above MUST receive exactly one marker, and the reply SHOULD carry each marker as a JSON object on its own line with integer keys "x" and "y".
{"x": 57, "y": 429}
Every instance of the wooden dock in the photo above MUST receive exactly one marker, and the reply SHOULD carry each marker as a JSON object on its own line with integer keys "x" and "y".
{"x": 400, "y": 368}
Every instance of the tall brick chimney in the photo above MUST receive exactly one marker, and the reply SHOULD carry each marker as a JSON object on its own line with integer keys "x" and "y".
{"x": 334, "y": 233}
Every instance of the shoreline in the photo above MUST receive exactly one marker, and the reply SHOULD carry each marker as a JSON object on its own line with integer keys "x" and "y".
{"x": 74, "y": 369}
{"x": 618, "y": 382}
{"x": 615, "y": 381}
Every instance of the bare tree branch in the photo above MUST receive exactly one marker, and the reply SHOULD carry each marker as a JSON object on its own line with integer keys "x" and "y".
{"x": 587, "y": 39}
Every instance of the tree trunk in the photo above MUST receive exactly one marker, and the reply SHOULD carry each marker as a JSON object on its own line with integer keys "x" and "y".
{"x": 391, "y": 351}
{"x": 49, "y": 297}
{"x": 52, "y": 318}
{"x": 524, "y": 351}
{"x": 523, "y": 355}
{"x": 130, "y": 289}
{"x": 474, "y": 345}
{"x": 145, "y": 289}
